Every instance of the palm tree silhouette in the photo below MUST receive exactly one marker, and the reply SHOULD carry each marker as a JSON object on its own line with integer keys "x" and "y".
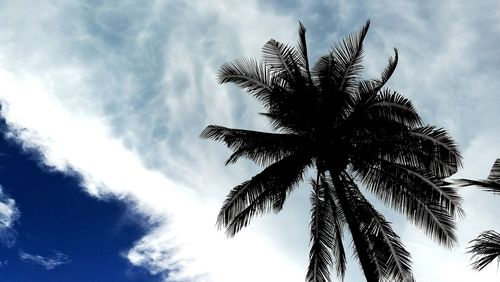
{"x": 352, "y": 132}
{"x": 486, "y": 247}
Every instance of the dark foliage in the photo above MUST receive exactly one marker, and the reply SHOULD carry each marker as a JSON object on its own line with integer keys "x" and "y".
{"x": 351, "y": 131}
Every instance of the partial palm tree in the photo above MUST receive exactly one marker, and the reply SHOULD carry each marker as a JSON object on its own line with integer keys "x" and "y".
{"x": 486, "y": 247}
{"x": 354, "y": 133}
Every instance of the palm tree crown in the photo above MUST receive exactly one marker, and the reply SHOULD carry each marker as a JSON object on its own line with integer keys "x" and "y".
{"x": 352, "y": 132}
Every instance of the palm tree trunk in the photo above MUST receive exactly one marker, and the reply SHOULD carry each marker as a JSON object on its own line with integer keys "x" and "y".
{"x": 361, "y": 245}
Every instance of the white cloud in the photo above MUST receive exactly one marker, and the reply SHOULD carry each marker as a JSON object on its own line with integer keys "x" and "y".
{"x": 120, "y": 98}
{"x": 48, "y": 263}
{"x": 186, "y": 236}
{"x": 186, "y": 233}
{"x": 73, "y": 133}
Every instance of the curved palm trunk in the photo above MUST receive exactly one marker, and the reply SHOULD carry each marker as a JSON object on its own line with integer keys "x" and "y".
{"x": 361, "y": 245}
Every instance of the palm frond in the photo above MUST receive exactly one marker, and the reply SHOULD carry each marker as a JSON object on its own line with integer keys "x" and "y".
{"x": 425, "y": 149}
{"x": 339, "y": 222}
{"x": 369, "y": 88}
{"x": 388, "y": 70}
{"x": 261, "y": 147}
{"x": 487, "y": 185}
{"x": 432, "y": 187}
{"x": 282, "y": 123}
{"x": 265, "y": 191}
{"x": 304, "y": 62}
{"x": 392, "y": 106}
{"x": 281, "y": 58}
{"x": 348, "y": 56}
{"x": 322, "y": 237}
{"x": 291, "y": 102}
{"x": 426, "y": 201}
{"x": 438, "y": 141}
{"x": 485, "y": 249}
{"x": 492, "y": 184}
{"x": 432, "y": 149}
{"x": 250, "y": 75}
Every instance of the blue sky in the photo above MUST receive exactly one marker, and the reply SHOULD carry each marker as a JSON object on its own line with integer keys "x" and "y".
{"x": 109, "y": 97}
{"x": 60, "y": 233}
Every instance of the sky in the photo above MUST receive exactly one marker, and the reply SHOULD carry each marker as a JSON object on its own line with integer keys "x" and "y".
{"x": 103, "y": 174}
{"x": 51, "y": 230}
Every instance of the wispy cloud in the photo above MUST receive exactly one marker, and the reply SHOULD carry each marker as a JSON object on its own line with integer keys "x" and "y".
{"x": 99, "y": 135}
{"x": 48, "y": 263}
{"x": 186, "y": 239}
{"x": 9, "y": 213}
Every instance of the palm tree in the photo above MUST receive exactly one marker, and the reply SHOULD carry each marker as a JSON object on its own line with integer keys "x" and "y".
{"x": 486, "y": 247}
{"x": 352, "y": 132}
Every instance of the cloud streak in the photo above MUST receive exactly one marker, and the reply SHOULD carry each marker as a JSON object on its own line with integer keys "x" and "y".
{"x": 9, "y": 213}
{"x": 48, "y": 263}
